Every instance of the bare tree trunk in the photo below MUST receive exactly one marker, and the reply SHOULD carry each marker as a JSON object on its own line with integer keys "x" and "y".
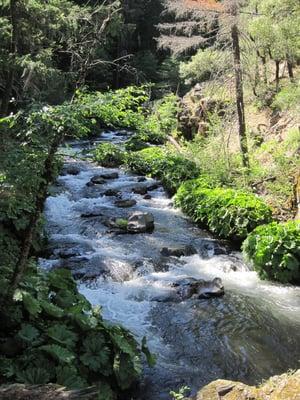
{"x": 13, "y": 50}
{"x": 290, "y": 70}
{"x": 239, "y": 93}
{"x": 277, "y": 65}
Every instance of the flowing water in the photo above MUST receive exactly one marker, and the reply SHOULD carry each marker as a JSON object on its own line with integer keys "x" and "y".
{"x": 251, "y": 333}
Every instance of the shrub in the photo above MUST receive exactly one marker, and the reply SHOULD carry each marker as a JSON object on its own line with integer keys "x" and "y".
{"x": 172, "y": 169}
{"x": 108, "y": 155}
{"x": 227, "y": 212}
{"x": 274, "y": 250}
{"x": 51, "y": 333}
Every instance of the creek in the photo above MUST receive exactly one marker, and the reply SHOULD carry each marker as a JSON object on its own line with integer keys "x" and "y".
{"x": 249, "y": 334}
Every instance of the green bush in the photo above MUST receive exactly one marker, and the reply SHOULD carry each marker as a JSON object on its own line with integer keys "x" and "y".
{"x": 227, "y": 212}
{"x": 172, "y": 169}
{"x": 274, "y": 250}
{"x": 108, "y": 155}
{"x": 51, "y": 333}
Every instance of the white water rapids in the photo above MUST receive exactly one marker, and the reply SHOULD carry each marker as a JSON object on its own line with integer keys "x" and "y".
{"x": 249, "y": 334}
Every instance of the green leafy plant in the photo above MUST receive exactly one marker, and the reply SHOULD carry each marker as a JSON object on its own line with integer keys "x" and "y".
{"x": 163, "y": 164}
{"x": 274, "y": 250}
{"x": 108, "y": 155}
{"x": 227, "y": 212}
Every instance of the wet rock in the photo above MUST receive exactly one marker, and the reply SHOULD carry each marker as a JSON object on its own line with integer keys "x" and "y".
{"x": 72, "y": 170}
{"x": 178, "y": 251}
{"x": 140, "y": 222}
{"x": 97, "y": 180}
{"x": 198, "y": 288}
{"x": 282, "y": 387}
{"x": 110, "y": 175}
{"x": 141, "y": 179}
{"x": 68, "y": 253}
{"x": 126, "y": 203}
{"x": 111, "y": 192}
{"x": 153, "y": 187}
{"x": 210, "y": 289}
{"x": 91, "y": 214}
{"x": 117, "y": 225}
{"x": 142, "y": 190}
{"x": 147, "y": 197}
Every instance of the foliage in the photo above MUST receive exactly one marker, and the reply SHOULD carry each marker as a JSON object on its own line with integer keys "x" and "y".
{"x": 227, "y": 212}
{"x": 274, "y": 250}
{"x": 74, "y": 346}
{"x": 108, "y": 155}
{"x": 204, "y": 65}
{"x": 181, "y": 395}
{"x": 288, "y": 98}
{"x": 169, "y": 167}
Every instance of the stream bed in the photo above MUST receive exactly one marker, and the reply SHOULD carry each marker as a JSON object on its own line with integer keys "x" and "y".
{"x": 249, "y": 334}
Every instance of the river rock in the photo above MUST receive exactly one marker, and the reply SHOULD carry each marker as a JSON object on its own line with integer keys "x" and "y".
{"x": 152, "y": 187}
{"x": 97, "y": 180}
{"x": 126, "y": 203}
{"x": 141, "y": 179}
{"x": 110, "y": 175}
{"x": 281, "y": 387}
{"x": 178, "y": 251}
{"x": 111, "y": 192}
{"x": 140, "y": 222}
{"x": 142, "y": 190}
{"x": 91, "y": 214}
{"x": 68, "y": 253}
{"x": 198, "y": 288}
{"x": 72, "y": 170}
{"x": 147, "y": 197}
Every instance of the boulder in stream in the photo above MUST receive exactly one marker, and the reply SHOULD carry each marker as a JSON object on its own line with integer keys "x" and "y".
{"x": 125, "y": 203}
{"x": 140, "y": 222}
{"x": 111, "y": 192}
{"x": 142, "y": 190}
{"x": 72, "y": 170}
{"x": 198, "y": 288}
{"x": 110, "y": 175}
{"x": 96, "y": 180}
{"x": 187, "y": 250}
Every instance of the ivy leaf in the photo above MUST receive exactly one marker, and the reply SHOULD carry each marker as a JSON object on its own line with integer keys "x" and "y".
{"x": 62, "y": 335}
{"x": 59, "y": 353}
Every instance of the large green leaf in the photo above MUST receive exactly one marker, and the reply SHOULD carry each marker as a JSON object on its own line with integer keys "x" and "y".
{"x": 33, "y": 376}
{"x": 51, "y": 309}
{"x": 62, "y": 335}
{"x": 28, "y": 333}
{"x": 31, "y": 304}
{"x": 59, "y": 353}
{"x": 68, "y": 376}
{"x": 96, "y": 354}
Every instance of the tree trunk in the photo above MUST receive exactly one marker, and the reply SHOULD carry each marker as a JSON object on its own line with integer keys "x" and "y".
{"x": 239, "y": 94}
{"x": 290, "y": 70}
{"x": 277, "y": 65}
{"x": 13, "y": 53}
